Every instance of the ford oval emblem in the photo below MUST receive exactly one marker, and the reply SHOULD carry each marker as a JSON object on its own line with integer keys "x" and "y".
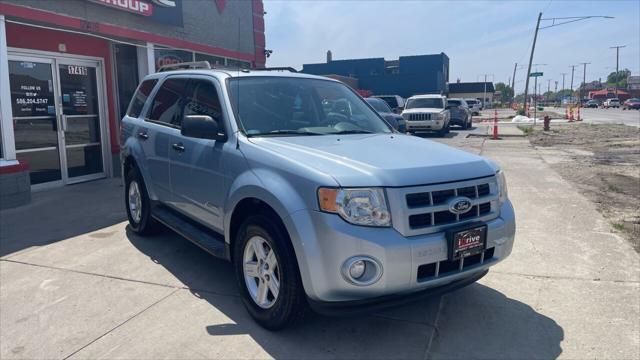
{"x": 460, "y": 205}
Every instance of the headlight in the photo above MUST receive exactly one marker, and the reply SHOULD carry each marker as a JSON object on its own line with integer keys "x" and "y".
{"x": 358, "y": 206}
{"x": 440, "y": 117}
{"x": 502, "y": 187}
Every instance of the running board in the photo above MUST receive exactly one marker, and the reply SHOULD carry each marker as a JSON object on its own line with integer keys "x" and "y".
{"x": 208, "y": 240}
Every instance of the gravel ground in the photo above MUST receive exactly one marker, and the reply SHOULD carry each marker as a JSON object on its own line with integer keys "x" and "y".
{"x": 603, "y": 162}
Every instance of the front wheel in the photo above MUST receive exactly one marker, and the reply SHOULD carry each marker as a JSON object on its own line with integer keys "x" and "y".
{"x": 267, "y": 273}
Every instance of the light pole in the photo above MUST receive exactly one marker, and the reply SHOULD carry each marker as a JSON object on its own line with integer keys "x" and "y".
{"x": 617, "y": 63}
{"x": 484, "y": 93}
{"x": 561, "y": 21}
{"x": 573, "y": 68}
{"x": 584, "y": 77}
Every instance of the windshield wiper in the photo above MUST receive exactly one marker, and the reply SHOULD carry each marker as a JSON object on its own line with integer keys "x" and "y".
{"x": 285, "y": 132}
{"x": 343, "y": 132}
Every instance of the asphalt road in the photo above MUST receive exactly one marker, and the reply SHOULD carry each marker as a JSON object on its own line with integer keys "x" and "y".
{"x": 609, "y": 116}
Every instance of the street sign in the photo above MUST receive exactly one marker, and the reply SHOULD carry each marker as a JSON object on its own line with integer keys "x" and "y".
{"x": 535, "y": 74}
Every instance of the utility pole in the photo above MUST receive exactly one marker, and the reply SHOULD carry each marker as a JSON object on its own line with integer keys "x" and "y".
{"x": 556, "y": 94}
{"x": 563, "y": 75}
{"x": 584, "y": 78}
{"x": 617, "y": 63}
{"x": 513, "y": 83}
{"x": 573, "y": 67}
{"x": 533, "y": 48}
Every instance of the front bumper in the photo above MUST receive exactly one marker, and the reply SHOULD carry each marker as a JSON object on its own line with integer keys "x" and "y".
{"x": 323, "y": 242}
{"x": 426, "y": 125}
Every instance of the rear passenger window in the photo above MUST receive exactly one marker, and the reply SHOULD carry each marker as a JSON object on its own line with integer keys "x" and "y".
{"x": 140, "y": 97}
{"x": 203, "y": 100}
{"x": 167, "y": 104}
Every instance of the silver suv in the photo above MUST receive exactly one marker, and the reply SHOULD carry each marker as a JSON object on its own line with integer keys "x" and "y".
{"x": 313, "y": 197}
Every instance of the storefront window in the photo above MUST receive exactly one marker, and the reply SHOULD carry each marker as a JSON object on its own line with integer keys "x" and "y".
{"x": 126, "y": 57}
{"x": 168, "y": 57}
{"x": 238, "y": 64}
{"x": 213, "y": 60}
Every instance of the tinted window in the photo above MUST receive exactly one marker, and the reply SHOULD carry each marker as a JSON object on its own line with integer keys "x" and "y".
{"x": 391, "y": 100}
{"x": 379, "y": 105}
{"x": 471, "y": 102}
{"x": 203, "y": 100}
{"x": 454, "y": 102}
{"x": 139, "y": 98}
{"x": 167, "y": 103}
{"x": 424, "y": 103}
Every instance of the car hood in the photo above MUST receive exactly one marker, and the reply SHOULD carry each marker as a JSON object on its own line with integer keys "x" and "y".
{"x": 422, "y": 110}
{"x": 380, "y": 159}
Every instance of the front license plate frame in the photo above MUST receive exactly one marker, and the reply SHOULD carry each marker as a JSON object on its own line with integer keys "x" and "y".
{"x": 458, "y": 247}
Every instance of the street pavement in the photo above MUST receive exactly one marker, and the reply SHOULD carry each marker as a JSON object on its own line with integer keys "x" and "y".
{"x": 76, "y": 283}
{"x": 608, "y": 116}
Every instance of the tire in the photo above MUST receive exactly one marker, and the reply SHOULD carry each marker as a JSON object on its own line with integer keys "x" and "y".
{"x": 289, "y": 306}
{"x": 442, "y": 132}
{"x": 141, "y": 223}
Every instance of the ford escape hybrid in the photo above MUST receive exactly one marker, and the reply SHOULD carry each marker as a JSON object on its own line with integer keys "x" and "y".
{"x": 316, "y": 201}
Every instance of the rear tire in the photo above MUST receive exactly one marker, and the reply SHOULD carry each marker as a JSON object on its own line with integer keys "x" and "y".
{"x": 138, "y": 204}
{"x": 288, "y": 304}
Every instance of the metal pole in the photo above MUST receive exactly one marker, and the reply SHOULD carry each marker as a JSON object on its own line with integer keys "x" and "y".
{"x": 617, "y": 63}
{"x": 513, "y": 83}
{"x": 535, "y": 100}
{"x": 573, "y": 67}
{"x": 484, "y": 94}
{"x": 533, "y": 48}
{"x": 584, "y": 78}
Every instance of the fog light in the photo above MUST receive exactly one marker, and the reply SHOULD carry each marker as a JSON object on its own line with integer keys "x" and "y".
{"x": 356, "y": 270}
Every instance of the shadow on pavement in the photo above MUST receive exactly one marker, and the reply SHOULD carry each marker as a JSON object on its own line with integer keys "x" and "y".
{"x": 427, "y": 135}
{"x": 61, "y": 213}
{"x": 476, "y": 322}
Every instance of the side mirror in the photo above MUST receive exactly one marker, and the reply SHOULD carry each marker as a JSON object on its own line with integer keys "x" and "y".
{"x": 201, "y": 127}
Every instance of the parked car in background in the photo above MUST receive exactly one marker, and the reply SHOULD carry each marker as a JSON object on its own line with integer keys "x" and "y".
{"x": 396, "y": 102}
{"x": 611, "y": 103}
{"x": 474, "y": 106}
{"x": 481, "y": 104}
{"x": 629, "y": 104}
{"x": 427, "y": 113}
{"x": 382, "y": 108}
{"x": 591, "y": 104}
{"x": 459, "y": 113}
{"x": 320, "y": 207}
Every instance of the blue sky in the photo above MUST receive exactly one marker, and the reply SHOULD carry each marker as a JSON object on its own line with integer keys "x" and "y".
{"x": 479, "y": 37}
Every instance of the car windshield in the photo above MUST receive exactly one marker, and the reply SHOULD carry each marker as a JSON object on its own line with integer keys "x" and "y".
{"x": 634, "y": 100}
{"x": 379, "y": 105}
{"x": 390, "y": 100}
{"x": 471, "y": 102}
{"x": 282, "y": 106}
{"x": 424, "y": 103}
{"x": 454, "y": 102}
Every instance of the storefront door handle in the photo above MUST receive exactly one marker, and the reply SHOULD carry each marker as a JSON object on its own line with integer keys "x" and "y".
{"x": 178, "y": 147}
{"x": 63, "y": 119}
{"x": 143, "y": 135}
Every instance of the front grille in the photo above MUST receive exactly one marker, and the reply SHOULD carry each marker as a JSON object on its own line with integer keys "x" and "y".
{"x": 441, "y": 198}
{"x": 419, "y": 117}
{"x": 449, "y": 267}
{"x": 424, "y": 209}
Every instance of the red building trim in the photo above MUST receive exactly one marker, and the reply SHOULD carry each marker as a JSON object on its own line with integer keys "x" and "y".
{"x": 47, "y": 17}
{"x": 258, "y": 34}
{"x": 21, "y": 166}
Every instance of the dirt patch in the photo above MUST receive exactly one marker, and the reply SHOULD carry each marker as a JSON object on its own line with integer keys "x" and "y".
{"x": 603, "y": 162}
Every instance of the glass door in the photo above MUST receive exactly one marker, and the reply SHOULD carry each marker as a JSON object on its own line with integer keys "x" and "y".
{"x": 80, "y": 120}
{"x": 36, "y": 127}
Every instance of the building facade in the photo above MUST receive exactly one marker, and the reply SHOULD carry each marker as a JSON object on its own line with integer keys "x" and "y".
{"x": 407, "y": 76}
{"x": 69, "y": 68}
{"x": 473, "y": 90}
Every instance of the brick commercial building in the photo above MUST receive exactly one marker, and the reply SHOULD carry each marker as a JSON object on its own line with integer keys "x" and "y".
{"x": 409, "y": 75}
{"x": 68, "y": 70}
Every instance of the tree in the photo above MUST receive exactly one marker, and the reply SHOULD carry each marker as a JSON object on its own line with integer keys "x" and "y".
{"x": 619, "y": 79}
{"x": 505, "y": 90}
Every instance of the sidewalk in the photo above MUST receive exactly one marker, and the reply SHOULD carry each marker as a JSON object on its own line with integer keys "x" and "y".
{"x": 74, "y": 282}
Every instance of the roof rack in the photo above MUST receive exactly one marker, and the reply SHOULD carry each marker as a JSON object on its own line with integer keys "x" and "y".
{"x": 186, "y": 65}
{"x": 282, "y": 68}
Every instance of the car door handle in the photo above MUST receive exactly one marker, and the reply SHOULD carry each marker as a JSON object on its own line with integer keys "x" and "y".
{"x": 178, "y": 147}
{"x": 143, "y": 135}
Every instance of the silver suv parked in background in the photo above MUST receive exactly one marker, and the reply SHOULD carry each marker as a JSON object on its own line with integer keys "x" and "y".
{"x": 474, "y": 106}
{"x": 316, "y": 201}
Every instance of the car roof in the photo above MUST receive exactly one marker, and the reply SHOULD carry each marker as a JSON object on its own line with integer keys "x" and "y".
{"x": 427, "y": 96}
{"x": 231, "y": 73}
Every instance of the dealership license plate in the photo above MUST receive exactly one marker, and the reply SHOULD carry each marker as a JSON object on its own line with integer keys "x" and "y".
{"x": 467, "y": 242}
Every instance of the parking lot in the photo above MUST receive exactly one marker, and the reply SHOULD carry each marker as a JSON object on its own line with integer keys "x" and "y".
{"x": 75, "y": 282}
